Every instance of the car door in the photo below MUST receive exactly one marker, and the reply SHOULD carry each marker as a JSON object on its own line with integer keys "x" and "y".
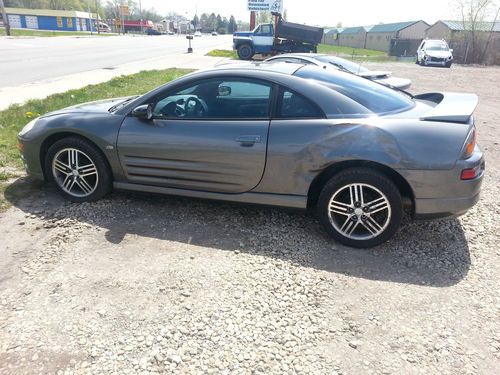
{"x": 209, "y": 135}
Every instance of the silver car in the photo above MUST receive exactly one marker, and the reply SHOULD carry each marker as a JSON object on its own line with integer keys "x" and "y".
{"x": 273, "y": 134}
{"x": 434, "y": 52}
{"x": 383, "y": 77}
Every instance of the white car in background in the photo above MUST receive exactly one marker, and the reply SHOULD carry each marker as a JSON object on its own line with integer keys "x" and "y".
{"x": 198, "y": 33}
{"x": 434, "y": 52}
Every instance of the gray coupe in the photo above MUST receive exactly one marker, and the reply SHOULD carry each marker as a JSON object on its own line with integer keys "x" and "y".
{"x": 275, "y": 134}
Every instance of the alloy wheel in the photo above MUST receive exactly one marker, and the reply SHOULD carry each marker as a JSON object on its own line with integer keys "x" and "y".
{"x": 359, "y": 211}
{"x": 75, "y": 172}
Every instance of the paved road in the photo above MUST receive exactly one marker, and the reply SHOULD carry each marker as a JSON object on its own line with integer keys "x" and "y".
{"x": 27, "y": 60}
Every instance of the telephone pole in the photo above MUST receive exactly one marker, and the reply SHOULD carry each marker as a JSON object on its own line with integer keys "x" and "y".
{"x": 5, "y": 19}
{"x": 97, "y": 16}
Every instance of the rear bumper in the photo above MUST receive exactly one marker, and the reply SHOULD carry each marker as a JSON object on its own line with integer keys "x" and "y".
{"x": 441, "y": 193}
{"x": 443, "y": 207}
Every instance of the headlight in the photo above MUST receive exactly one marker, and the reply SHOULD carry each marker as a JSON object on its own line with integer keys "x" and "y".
{"x": 28, "y": 127}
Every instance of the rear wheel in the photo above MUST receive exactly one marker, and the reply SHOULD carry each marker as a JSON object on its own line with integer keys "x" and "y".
{"x": 245, "y": 52}
{"x": 360, "y": 208}
{"x": 78, "y": 169}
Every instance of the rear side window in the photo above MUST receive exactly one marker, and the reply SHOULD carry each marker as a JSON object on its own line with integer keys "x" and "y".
{"x": 293, "y": 105}
{"x": 375, "y": 97}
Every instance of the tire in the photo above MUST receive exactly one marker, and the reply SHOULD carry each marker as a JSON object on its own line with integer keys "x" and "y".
{"x": 352, "y": 222}
{"x": 448, "y": 64}
{"x": 78, "y": 169}
{"x": 245, "y": 52}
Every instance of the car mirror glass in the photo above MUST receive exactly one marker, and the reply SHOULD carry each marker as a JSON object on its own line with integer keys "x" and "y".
{"x": 224, "y": 90}
{"x": 144, "y": 111}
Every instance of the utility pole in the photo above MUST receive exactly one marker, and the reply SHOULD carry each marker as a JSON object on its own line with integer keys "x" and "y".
{"x": 5, "y": 19}
{"x": 140, "y": 11}
{"x": 97, "y": 16}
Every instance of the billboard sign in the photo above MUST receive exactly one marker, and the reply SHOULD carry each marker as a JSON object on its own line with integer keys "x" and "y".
{"x": 265, "y": 6}
{"x": 124, "y": 11}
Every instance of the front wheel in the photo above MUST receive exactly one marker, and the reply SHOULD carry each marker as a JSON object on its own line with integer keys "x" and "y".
{"x": 245, "y": 52}
{"x": 448, "y": 64}
{"x": 78, "y": 169}
{"x": 360, "y": 208}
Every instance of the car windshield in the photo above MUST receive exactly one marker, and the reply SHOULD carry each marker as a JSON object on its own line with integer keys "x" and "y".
{"x": 343, "y": 64}
{"x": 437, "y": 47}
{"x": 377, "y": 98}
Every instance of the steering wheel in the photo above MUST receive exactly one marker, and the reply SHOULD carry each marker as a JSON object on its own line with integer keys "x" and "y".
{"x": 198, "y": 109}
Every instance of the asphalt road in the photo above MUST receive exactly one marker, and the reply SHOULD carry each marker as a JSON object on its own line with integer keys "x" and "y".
{"x": 34, "y": 59}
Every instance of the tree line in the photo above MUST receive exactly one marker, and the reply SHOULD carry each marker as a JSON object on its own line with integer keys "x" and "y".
{"x": 211, "y": 22}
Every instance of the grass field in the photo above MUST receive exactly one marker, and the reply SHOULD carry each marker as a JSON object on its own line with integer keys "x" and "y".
{"x": 15, "y": 117}
{"x": 223, "y": 53}
{"x": 27, "y": 32}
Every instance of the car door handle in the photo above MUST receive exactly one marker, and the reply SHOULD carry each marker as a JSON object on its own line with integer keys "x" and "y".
{"x": 248, "y": 140}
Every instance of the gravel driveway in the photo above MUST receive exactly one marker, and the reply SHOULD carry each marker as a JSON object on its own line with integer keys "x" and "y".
{"x": 150, "y": 284}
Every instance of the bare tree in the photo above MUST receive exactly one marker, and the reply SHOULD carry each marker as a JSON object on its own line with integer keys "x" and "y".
{"x": 473, "y": 14}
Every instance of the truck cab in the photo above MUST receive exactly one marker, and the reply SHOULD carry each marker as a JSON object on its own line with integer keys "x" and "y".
{"x": 286, "y": 37}
{"x": 260, "y": 40}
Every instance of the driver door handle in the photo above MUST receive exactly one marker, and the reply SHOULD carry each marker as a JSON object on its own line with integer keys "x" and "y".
{"x": 248, "y": 140}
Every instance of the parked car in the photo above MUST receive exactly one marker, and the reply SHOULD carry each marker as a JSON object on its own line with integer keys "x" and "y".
{"x": 214, "y": 33}
{"x": 382, "y": 77}
{"x": 434, "y": 52}
{"x": 272, "y": 134}
{"x": 152, "y": 32}
{"x": 198, "y": 33}
{"x": 170, "y": 32}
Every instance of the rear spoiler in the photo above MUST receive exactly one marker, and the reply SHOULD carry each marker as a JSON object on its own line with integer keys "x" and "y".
{"x": 450, "y": 107}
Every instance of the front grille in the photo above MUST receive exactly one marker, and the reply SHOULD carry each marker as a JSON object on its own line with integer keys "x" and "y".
{"x": 436, "y": 59}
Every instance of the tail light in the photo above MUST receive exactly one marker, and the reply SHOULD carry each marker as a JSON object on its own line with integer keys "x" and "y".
{"x": 470, "y": 144}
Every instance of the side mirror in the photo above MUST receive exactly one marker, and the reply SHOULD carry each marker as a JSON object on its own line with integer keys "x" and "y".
{"x": 451, "y": 50}
{"x": 144, "y": 112}
{"x": 224, "y": 91}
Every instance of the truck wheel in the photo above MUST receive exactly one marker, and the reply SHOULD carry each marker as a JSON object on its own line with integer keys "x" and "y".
{"x": 245, "y": 52}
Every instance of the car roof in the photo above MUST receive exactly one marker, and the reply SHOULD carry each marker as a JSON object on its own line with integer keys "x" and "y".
{"x": 270, "y": 66}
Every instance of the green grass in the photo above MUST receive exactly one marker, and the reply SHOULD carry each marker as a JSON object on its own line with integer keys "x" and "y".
{"x": 341, "y": 50}
{"x": 47, "y": 33}
{"x": 15, "y": 117}
{"x": 223, "y": 53}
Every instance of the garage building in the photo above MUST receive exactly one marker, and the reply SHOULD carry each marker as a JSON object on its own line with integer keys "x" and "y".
{"x": 379, "y": 37}
{"x": 47, "y": 19}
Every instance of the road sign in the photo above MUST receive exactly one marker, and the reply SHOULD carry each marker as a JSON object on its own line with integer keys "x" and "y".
{"x": 265, "y": 6}
{"x": 124, "y": 11}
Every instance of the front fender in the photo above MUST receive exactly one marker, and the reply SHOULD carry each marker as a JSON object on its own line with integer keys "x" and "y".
{"x": 100, "y": 128}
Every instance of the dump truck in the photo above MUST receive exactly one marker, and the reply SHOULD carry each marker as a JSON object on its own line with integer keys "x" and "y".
{"x": 286, "y": 37}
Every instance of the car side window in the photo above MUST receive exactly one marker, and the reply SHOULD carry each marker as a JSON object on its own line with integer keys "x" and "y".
{"x": 292, "y": 105}
{"x": 231, "y": 98}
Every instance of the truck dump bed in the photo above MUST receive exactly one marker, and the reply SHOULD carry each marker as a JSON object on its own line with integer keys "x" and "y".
{"x": 299, "y": 33}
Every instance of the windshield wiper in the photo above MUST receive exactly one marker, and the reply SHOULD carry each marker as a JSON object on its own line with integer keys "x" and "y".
{"x": 121, "y": 104}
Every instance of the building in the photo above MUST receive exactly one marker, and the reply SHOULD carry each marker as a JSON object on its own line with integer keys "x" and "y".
{"x": 331, "y": 36}
{"x": 381, "y": 37}
{"x": 47, "y": 19}
{"x": 483, "y": 48}
{"x": 354, "y": 37}
{"x": 455, "y": 30}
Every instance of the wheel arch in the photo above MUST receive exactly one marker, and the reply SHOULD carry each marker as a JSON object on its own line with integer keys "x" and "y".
{"x": 53, "y": 138}
{"x": 320, "y": 180}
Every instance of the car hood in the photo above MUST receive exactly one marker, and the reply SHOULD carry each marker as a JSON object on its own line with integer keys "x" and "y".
{"x": 438, "y": 54}
{"x": 99, "y": 106}
{"x": 242, "y": 33}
